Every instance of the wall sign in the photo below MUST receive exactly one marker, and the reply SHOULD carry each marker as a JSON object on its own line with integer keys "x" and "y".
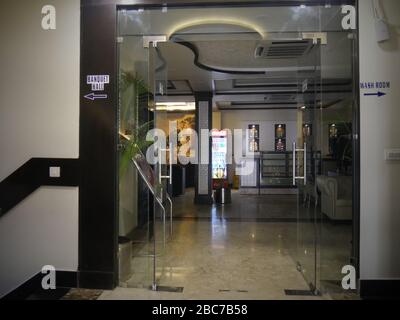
{"x": 93, "y": 96}
{"x": 97, "y": 83}
{"x": 375, "y": 88}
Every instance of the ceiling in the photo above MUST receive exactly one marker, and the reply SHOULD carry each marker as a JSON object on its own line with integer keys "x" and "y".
{"x": 249, "y": 57}
{"x": 242, "y": 78}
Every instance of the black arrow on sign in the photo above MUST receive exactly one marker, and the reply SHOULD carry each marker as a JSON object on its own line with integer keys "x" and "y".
{"x": 378, "y": 94}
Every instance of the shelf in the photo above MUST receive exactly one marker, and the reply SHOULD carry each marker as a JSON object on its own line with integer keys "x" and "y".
{"x": 276, "y": 169}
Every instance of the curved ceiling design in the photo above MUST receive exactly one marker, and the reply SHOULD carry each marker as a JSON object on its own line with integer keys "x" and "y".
{"x": 214, "y": 27}
{"x": 228, "y": 23}
{"x": 206, "y": 67}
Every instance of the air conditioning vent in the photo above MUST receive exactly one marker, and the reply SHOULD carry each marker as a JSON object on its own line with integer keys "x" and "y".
{"x": 283, "y": 49}
{"x": 281, "y": 97}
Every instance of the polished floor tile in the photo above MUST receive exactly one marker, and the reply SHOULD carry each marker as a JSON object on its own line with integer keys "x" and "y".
{"x": 246, "y": 250}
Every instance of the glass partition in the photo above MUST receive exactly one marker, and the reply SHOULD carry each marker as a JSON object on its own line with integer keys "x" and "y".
{"x": 307, "y": 166}
{"x": 335, "y": 183}
{"x": 135, "y": 119}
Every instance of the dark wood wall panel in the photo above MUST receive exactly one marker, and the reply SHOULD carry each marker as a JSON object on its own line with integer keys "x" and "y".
{"x": 98, "y": 223}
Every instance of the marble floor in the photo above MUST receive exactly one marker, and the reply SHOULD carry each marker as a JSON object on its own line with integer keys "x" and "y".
{"x": 246, "y": 250}
{"x": 269, "y": 208}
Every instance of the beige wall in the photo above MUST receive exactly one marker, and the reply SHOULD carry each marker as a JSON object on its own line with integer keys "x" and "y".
{"x": 240, "y": 119}
{"x": 217, "y": 121}
{"x": 380, "y": 129}
{"x": 39, "y": 117}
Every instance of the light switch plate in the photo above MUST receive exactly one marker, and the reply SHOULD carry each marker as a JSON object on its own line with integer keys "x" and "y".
{"x": 55, "y": 172}
{"x": 392, "y": 154}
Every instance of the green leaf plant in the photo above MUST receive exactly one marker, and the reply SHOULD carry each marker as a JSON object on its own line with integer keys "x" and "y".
{"x": 132, "y": 134}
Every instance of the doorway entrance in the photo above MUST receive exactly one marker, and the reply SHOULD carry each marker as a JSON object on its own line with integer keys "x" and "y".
{"x": 288, "y": 87}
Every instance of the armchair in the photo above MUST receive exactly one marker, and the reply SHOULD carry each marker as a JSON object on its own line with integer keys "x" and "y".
{"x": 336, "y": 197}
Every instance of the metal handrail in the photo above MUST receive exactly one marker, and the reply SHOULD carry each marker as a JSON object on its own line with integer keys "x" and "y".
{"x": 150, "y": 187}
{"x": 170, "y": 215}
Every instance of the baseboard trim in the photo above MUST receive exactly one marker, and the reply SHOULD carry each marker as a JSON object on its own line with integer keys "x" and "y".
{"x": 380, "y": 289}
{"x": 64, "y": 279}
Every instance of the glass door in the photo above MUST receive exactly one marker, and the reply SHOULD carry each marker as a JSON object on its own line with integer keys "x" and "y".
{"x": 158, "y": 79}
{"x": 143, "y": 201}
{"x": 135, "y": 196}
{"x": 307, "y": 165}
{"x": 255, "y": 63}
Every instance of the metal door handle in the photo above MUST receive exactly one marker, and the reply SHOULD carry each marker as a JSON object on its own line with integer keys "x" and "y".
{"x": 294, "y": 163}
{"x": 170, "y": 163}
{"x": 305, "y": 163}
{"x": 160, "y": 176}
{"x": 295, "y": 150}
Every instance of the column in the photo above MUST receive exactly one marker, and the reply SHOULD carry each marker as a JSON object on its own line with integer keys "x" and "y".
{"x": 203, "y": 181}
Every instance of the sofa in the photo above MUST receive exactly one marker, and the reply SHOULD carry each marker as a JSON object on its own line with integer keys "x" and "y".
{"x": 336, "y": 197}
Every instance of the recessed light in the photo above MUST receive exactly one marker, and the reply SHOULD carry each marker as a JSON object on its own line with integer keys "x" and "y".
{"x": 176, "y": 106}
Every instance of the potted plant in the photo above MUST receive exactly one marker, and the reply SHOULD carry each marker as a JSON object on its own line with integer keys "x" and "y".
{"x": 132, "y": 134}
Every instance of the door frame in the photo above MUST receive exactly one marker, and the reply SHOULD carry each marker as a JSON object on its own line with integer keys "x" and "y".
{"x": 98, "y": 194}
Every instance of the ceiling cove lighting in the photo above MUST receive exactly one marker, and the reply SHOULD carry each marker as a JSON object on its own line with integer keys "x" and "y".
{"x": 217, "y": 21}
{"x": 176, "y": 106}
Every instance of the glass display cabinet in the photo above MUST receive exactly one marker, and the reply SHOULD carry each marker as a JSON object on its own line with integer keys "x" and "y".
{"x": 276, "y": 169}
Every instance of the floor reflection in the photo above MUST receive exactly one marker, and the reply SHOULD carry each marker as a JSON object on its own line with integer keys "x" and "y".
{"x": 245, "y": 250}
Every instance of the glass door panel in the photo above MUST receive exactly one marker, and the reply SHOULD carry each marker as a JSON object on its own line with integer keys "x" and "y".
{"x": 158, "y": 75}
{"x": 338, "y": 241}
{"x": 307, "y": 166}
{"x": 135, "y": 119}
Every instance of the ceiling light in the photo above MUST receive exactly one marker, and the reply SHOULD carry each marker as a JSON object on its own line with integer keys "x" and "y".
{"x": 176, "y": 106}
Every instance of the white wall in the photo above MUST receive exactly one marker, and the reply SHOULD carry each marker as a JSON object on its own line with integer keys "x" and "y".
{"x": 39, "y": 117}
{"x": 380, "y": 129}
